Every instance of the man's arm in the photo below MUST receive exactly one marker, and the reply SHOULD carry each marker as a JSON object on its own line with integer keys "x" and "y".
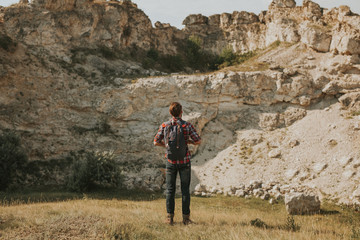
{"x": 159, "y": 137}
{"x": 195, "y": 139}
{"x": 194, "y": 143}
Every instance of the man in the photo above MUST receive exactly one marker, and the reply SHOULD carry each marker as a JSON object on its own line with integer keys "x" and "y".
{"x": 175, "y": 135}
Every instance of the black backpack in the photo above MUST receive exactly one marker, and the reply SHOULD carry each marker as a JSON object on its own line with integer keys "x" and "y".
{"x": 175, "y": 140}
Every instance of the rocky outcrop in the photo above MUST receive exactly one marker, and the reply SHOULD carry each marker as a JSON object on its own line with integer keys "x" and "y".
{"x": 301, "y": 203}
{"x": 121, "y": 25}
{"x": 67, "y": 84}
{"x": 282, "y": 4}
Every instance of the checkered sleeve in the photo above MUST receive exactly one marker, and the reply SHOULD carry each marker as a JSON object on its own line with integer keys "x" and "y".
{"x": 193, "y": 134}
{"x": 160, "y": 134}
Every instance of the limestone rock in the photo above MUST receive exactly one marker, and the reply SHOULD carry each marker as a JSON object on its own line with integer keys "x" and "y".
{"x": 254, "y": 184}
{"x": 348, "y": 174}
{"x": 283, "y": 3}
{"x": 269, "y": 121}
{"x": 321, "y": 81}
{"x": 293, "y": 143}
{"x": 312, "y": 10}
{"x": 350, "y": 100}
{"x": 200, "y": 188}
{"x": 195, "y": 19}
{"x": 292, "y": 115}
{"x": 316, "y": 38}
{"x": 275, "y": 153}
{"x": 319, "y": 167}
{"x": 301, "y": 203}
{"x": 345, "y": 160}
{"x": 345, "y": 44}
{"x": 240, "y": 193}
{"x": 356, "y": 194}
{"x": 291, "y": 173}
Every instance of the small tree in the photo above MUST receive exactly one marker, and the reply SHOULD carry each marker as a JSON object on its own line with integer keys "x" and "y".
{"x": 12, "y": 159}
{"x": 193, "y": 52}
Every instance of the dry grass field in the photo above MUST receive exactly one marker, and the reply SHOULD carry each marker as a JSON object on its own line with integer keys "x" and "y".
{"x": 139, "y": 215}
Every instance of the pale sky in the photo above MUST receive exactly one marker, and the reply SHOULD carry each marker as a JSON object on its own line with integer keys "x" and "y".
{"x": 175, "y": 11}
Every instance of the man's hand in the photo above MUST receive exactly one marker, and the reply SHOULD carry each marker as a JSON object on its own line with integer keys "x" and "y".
{"x": 194, "y": 143}
{"x": 162, "y": 144}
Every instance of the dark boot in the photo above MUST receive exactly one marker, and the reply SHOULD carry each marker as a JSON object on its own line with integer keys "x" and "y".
{"x": 170, "y": 219}
{"x": 186, "y": 219}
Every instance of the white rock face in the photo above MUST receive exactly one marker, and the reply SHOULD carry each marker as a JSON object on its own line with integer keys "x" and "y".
{"x": 345, "y": 160}
{"x": 319, "y": 167}
{"x": 301, "y": 203}
{"x": 315, "y": 38}
{"x": 356, "y": 194}
{"x": 275, "y": 153}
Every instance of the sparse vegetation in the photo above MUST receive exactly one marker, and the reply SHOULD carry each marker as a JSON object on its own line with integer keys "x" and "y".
{"x": 291, "y": 225}
{"x": 140, "y": 215}
{"x": 7, "y": 43}
{"x": 93, "y": 169}
{"x": 333, "y": 143}
{"x": 102, "y": 127}
{"x": 229, "y": 58}
{"x": 258, "y": 223}
{"x": 245, "y": 151}
{"x": 355, "y": 113}
{"x": 12, "y": 160}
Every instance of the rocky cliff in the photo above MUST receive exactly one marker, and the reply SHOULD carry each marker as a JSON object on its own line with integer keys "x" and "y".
{"x": 67, "y": 84}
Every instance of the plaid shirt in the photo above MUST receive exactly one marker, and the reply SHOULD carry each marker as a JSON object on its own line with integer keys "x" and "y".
{"x": 189, "y": 131}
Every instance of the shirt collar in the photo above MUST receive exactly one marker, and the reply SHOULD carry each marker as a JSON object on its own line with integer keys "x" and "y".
{"x": 175, "y": 119}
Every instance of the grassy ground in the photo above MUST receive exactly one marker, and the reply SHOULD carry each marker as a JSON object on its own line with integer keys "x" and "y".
{"x": 136, "y": 215}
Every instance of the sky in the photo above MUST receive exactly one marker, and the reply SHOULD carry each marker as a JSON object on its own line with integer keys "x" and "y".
{"x": 175, "y": 11}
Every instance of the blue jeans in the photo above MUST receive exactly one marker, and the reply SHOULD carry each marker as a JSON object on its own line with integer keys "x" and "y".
{"x": 185, "y": 177}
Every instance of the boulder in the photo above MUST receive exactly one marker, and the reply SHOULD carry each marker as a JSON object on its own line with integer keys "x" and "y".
{"x": 240, "y": 193}
{"x": 255, "y": 184}
{"x": 312, "y": 10}
{"x": 283, "y": 4}
{"x": 275, "y": 153}
{"x": 293, "y": 114}
{"x": 316, "y": 38}
{"x": 195, "y": 19}
{"x": 269, "y": 121}
{"x": 301, "y": 203}
{"x": 200, "y": 188}
{"x": 344, "y": 43}
{"x": 244, "y": 18}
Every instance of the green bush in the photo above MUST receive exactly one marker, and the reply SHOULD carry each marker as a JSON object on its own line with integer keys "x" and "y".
{"x": 12, "y": 159}
{"x": 196, "y": 58}
{"x": 153, "y": 54}
{"x": 258, "y": 223}
{"x": 172, "y": 63}
{"x": 229, "y": 58}
{"x": 93, "y": 169}
{"x": 107, "y": 52}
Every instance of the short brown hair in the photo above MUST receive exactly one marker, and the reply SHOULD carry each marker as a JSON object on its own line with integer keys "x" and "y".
{"x": 175, "y": 109}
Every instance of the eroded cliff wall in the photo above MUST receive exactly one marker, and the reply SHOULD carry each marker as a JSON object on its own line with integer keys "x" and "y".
{"x": 65, "y": 86}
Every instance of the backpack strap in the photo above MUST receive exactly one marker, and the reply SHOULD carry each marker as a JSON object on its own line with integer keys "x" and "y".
{"x": 178, "y": 133}
{"x": 166, "y": 133}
